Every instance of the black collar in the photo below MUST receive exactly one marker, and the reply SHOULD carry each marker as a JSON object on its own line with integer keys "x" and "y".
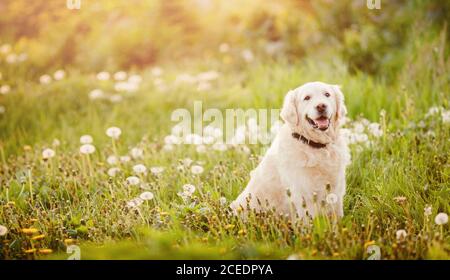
{"x": 308, "y": 142}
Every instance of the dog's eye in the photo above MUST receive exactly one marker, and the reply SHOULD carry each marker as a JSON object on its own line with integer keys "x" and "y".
{"x": 307, "y": 97}
{"x": 327, "y": 94}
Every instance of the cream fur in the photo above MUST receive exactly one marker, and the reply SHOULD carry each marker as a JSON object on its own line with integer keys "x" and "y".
{"x": 292, "y": 165}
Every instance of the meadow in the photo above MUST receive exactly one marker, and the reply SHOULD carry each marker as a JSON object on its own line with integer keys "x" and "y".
{"x": 89, "y": 158}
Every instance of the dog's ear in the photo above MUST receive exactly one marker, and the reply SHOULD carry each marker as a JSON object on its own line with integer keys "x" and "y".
{"x": 341, "y": 110}
{"x": 289, "y": 111}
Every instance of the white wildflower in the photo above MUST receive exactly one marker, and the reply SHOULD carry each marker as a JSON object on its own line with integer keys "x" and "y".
{"x": 87, "y": 149}
{"x": 401, "y": 234}
{"x": 3, "y": 230}
{"x": 146, "y": 196}
{"x": 116, "y": 98}
{"x": 56, "y": 143}
{"x": 156, "y": 71}
{"x": 125, "y": 159}
{"x": 5, "y": 48}
{"x": 157, "y": 170}
{"x": 112, "y": 172}
{"x": 375, "y": 129}
{"x": 135, "y": 202}
{"x": 86, "y": 139}
{"x": 427, "y": 210}
{"x": 247, "y": 55}
{"x": 96, "y": 94}
{"x": 59, "y": 75}
{"x": 139, "y": 168}
{"x": 113, "y": 132}
{"x": 45, "y": 79}
{"x": 103, "y": 76}
{"x": 187, "y": 161}
{"x": 133, "y": 180}
{"x": 112, "y": 160}
{"x": 137, "y": 153}
{"x": 48, "y": 153}
{"x": 445, "y": 116}
{"x": 11, "y": 58}
{"x": 188, "y": 189}
{"x": 5, "y": 89}
{"x": 197, "y": 169}
{"x": 441, "y": 219}
{"x": 135, "y": 79}
{"x": 120, "y": 76}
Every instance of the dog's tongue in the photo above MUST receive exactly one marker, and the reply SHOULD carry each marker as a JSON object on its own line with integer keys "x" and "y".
{"x": 322, "y": 122}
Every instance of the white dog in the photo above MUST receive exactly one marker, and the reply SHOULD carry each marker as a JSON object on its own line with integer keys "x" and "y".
{"x": 303, "y": 172}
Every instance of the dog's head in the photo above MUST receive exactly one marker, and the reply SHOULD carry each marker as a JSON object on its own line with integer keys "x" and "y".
{"x": 315, "y": 110}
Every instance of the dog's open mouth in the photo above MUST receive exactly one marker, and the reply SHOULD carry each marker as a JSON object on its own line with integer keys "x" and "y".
{"x": 321, "y": 123}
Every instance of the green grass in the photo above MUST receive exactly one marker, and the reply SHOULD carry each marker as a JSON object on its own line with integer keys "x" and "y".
{"x": 71, "y": 196}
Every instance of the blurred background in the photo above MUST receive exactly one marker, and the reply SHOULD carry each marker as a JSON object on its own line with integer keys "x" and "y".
{"x": 135, "y": 34}
{"x": 55, "y": 62}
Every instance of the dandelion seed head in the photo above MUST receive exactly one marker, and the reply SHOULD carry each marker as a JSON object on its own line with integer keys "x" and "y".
{"x": 441, "y": 218}
{"x": 3, "y": 230}
{"x": 156, "y": 71}
{"x": 48, "y": 153}
{"x": 146, "y": 196}
{"x": 103, "y": 76}
{"x": 112, "y": 172}
{"x": 137, "y": 153}
{"x": 112, "y": 160}
{"x": 87, "y": 149}
{"x": 133, "y": 180}
{"x": 120, "y": 76}
{"x": 134, "y": 203}
{"x": 59, "y": 75}
{"x": 5, "y": 89}
{"x": 156, "y": 170}
{"x": 113, "y": 132}
{"x": 125, "y": 159}
{"x": 427, "y": 210}
{"x": 197, "y": 169}
{"x": 188, "y": 189}
{"x": 139, "y": 168}
{"x": 45, "y": 79}
{"x": 187, "y": 162}
{"x": 96, "y": 94}
{"x": 116, "y": 98}
{"x": 86, "y": 139}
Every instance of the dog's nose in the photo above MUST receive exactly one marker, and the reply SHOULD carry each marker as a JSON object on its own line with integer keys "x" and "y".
{"x": 321, "y": 108}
